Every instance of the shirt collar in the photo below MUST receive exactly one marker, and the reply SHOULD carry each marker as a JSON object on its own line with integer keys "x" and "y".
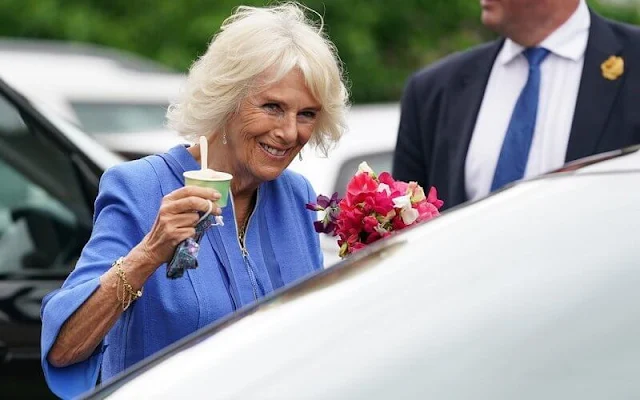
{"x": 568, "y": 41}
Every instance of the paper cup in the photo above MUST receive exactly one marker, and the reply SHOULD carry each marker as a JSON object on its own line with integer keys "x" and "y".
{"x": 221, "y": 183}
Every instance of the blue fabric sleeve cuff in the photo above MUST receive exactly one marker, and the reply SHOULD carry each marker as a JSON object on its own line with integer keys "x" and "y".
{"x": 58, "y": 306}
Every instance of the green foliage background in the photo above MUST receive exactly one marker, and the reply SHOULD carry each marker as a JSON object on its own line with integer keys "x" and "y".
{"x": 380, "y": 41}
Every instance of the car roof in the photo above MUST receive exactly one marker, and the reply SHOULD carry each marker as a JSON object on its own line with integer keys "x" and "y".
{"x": 472, "y": 319}
{"x": 69, "y": 49}
{"x": 80, "y": 82}
{"x": 80, "y": 72}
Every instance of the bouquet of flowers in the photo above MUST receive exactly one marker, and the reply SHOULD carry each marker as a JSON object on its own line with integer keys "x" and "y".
{"x": 374, "y": 206}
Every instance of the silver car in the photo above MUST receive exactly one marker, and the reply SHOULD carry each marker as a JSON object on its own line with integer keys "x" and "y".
{"x": 530, "y": 293}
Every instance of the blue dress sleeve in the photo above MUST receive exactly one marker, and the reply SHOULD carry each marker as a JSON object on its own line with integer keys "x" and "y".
{"x": 117, "y": 228}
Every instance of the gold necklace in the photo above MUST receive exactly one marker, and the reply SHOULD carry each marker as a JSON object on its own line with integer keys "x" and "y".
{"x": 242, "y": 230}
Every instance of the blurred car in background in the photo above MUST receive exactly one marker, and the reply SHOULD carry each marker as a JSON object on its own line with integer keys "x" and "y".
{"x": 117, "y": 97}
{"x": 49, "y": 175}
{"x": 530, "y": 293}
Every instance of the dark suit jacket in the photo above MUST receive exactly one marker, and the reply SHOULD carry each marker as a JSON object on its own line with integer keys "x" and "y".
{"x": 441, "y": 103}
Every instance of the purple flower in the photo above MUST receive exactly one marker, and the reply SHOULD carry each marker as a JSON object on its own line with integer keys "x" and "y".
{"x": 323, "y": 203}
{"x": 330, "y": 206}
{"x": 313, "y": 207}
{"x": 324, "y": 226}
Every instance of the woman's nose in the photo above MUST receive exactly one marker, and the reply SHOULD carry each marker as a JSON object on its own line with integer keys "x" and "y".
{"x": 288, "y": 128}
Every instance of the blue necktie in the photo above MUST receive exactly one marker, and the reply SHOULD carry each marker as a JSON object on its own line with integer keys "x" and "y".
{"x": 517, "y": 141}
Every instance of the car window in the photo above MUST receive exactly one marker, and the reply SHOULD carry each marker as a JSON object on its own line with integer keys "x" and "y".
{"x": 43, "y": 214}
{"x": 379, "y": 162}
{"x": 120, "y": 117}
{"x": 10, "y": 121}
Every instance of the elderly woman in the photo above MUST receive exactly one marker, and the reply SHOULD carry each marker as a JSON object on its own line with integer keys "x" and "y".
{"x": 269, "y": 83}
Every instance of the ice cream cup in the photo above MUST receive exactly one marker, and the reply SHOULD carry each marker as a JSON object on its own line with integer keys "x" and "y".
{"x": 220, "y": 182}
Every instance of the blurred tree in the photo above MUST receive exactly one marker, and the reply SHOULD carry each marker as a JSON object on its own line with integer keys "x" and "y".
{"x": 380, "y": 41}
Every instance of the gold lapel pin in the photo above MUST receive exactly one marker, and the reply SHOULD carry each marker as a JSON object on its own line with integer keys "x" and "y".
{"x": 612, "y": 68}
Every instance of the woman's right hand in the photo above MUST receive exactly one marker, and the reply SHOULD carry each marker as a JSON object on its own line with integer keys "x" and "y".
{"x": 176, "y": 221}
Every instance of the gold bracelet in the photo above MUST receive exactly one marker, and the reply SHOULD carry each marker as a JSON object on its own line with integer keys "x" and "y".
{"x": 128, "y": 294}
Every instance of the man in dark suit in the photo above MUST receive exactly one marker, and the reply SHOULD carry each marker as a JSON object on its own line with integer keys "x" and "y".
{"x": 562, "y": 83}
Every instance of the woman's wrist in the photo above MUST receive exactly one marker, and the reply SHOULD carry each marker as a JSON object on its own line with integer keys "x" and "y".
{"x": 139, "y": 265}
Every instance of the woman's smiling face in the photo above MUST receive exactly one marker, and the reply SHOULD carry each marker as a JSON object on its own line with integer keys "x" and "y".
{"x": 271, "y": 128}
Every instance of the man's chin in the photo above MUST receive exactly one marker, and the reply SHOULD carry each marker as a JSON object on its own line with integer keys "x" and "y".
{"x": 490, "y": 20}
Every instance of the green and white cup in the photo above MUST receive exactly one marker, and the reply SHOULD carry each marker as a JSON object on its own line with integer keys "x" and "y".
{"x": 220, "y": 182}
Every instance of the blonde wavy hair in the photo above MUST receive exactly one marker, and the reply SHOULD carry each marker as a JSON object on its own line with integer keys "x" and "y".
{"x": 252, "y": 40}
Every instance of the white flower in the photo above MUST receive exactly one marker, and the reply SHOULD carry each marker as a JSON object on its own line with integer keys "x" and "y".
{"x": 380, "y": 230}
{"x": 408, "y": 214}
{"x": 402, "y": 201}
{"x": 364, "y": 167}
{"x": 383, "y": 187}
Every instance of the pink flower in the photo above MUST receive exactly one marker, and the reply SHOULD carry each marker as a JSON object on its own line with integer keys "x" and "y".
{"x": 432, "y": 198}
{"x": 397, "y": 223}
{"x": 370, "y": 223}
{"x": 387, "y": 179}
{"x": 357, "y": 246}
{"x": 401, "y": 187}
{"x": 381, "y": 203}
{"x": 374, "y": 236}
{"x": 426, "y": 211}
{"x": 349, "y": 221}
{"x": 373, "y": 208}
{"x": 360, "y": 184}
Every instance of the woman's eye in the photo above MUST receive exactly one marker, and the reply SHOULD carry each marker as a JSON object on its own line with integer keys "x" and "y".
{"x": 308, "y": 114}
{"x": 272, "y": 107}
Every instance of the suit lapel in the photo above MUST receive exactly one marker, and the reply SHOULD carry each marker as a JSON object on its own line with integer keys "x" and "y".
{"x": 466, "y": 98}
{"x": 596, "y": 95}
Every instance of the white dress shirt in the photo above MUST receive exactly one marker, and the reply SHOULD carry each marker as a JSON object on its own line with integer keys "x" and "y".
{"x": 560, "y": 80}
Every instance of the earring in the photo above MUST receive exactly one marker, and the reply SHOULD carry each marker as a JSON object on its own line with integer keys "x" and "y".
{"x": 224, "y": 138}
{"x": 300, "y": 156}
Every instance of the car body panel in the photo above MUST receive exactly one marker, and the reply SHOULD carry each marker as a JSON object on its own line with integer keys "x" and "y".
{"x": 528, "y": 293}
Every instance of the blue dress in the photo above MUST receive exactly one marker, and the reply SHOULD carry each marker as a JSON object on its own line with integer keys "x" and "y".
{"x": 125, "y": 209}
